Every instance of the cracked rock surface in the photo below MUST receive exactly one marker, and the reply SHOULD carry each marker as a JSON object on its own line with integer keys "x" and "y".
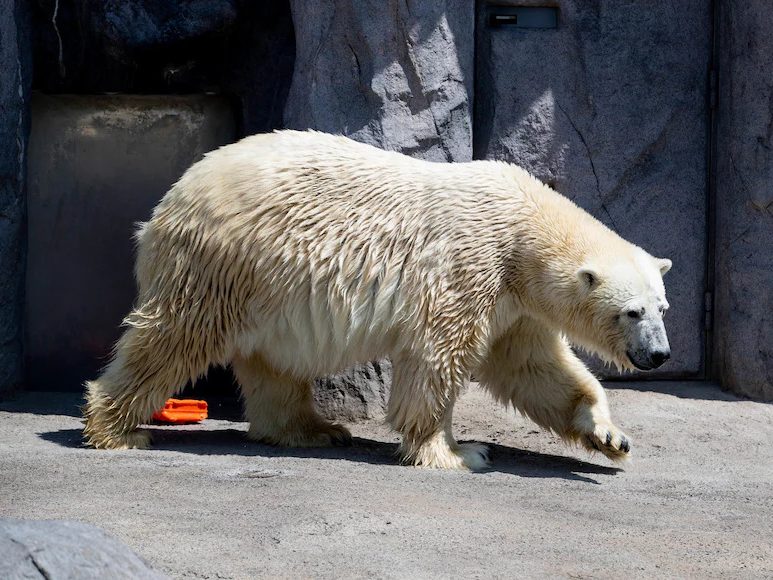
{"x": 360, "y": 392}
{"x": 396, "y": 74}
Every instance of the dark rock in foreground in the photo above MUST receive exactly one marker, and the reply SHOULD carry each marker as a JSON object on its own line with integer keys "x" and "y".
{"x": 61, "y": 549}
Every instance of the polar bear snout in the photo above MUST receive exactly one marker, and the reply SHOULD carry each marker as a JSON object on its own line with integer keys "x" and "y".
{"x": 649, "y": 362}
{"x": 658, "y": 357}
{"x": 648, "y": 346}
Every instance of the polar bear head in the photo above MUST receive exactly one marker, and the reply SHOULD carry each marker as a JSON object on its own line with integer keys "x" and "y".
{"x": 622, "y": 302}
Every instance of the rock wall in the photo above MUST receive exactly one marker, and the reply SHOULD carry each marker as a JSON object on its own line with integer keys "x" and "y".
{"x": 15, "y": 73}
{"x": 358, "y": 393}
{"x": 743, "y": 306}
{"x": 397, "y": 74}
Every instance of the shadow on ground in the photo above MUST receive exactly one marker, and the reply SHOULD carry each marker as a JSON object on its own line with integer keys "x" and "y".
{"x": 682, "y": 389}
{"x": 43, "y": 403}
{"x": 508, "y": 460}
{"x": 70, "y": 404}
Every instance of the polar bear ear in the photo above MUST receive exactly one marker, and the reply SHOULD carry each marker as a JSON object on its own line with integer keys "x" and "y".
{"x": 589, "y": 277}
{"x": 664, "y": 264}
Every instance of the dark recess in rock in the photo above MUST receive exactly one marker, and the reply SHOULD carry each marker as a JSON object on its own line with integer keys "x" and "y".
{"x": 238, "y": 48}
{"x": 233, "y": 47}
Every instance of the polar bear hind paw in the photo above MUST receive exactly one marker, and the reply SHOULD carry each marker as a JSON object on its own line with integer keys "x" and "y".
{"x": 438, "y": 453}
{"x": 476, "y": 456}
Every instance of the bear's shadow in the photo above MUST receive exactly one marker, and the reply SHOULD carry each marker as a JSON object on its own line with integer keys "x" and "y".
{"x": 510, "y": 460}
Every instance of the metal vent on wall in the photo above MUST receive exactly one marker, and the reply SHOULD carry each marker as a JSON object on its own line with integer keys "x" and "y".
{"x": 534, "y": 17}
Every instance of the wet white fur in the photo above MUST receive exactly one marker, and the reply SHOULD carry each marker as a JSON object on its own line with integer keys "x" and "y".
{"x": 295, "y": 254}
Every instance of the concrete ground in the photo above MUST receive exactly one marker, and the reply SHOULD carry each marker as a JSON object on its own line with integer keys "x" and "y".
{"x": 696, "y": 501}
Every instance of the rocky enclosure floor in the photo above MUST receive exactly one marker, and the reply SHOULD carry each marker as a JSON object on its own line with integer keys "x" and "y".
{"x": 696, "y": 501}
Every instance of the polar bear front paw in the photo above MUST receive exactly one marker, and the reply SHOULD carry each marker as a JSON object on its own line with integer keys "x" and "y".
{"x": 135, "y": 439}
{"x": 609, "y": 440}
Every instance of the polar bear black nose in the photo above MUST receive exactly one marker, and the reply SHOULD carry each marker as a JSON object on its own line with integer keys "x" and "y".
{"x": 658, "y": 357}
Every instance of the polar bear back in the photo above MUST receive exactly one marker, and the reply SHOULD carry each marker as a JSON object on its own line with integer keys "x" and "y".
{"x": 320, "y": 245}
{"x": 324, "y": 251}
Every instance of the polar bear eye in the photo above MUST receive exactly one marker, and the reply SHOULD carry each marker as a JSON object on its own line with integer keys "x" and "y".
{"x": 635, "y": 314}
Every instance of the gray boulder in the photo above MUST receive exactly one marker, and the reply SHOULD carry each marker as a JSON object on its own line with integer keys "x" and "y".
{"x": 58, "y": 550}
{"x": 360, "y": 392}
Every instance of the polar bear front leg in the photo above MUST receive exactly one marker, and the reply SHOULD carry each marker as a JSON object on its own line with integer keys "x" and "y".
{"x": 534, "y": 369}
{"x": 421, "y": 409}
{"x": 280, "y": 408}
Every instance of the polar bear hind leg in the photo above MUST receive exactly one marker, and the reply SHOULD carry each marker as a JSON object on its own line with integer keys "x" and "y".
{"x": 420, "y": 408}
{"x": 144, "y": 372}
{"x": 280, "y": 407}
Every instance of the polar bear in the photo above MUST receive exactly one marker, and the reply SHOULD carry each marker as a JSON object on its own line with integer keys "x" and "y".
{"x": 292, "y": 255}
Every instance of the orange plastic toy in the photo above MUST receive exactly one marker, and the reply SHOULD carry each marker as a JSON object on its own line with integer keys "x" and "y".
{"x": 182, "y": 411}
